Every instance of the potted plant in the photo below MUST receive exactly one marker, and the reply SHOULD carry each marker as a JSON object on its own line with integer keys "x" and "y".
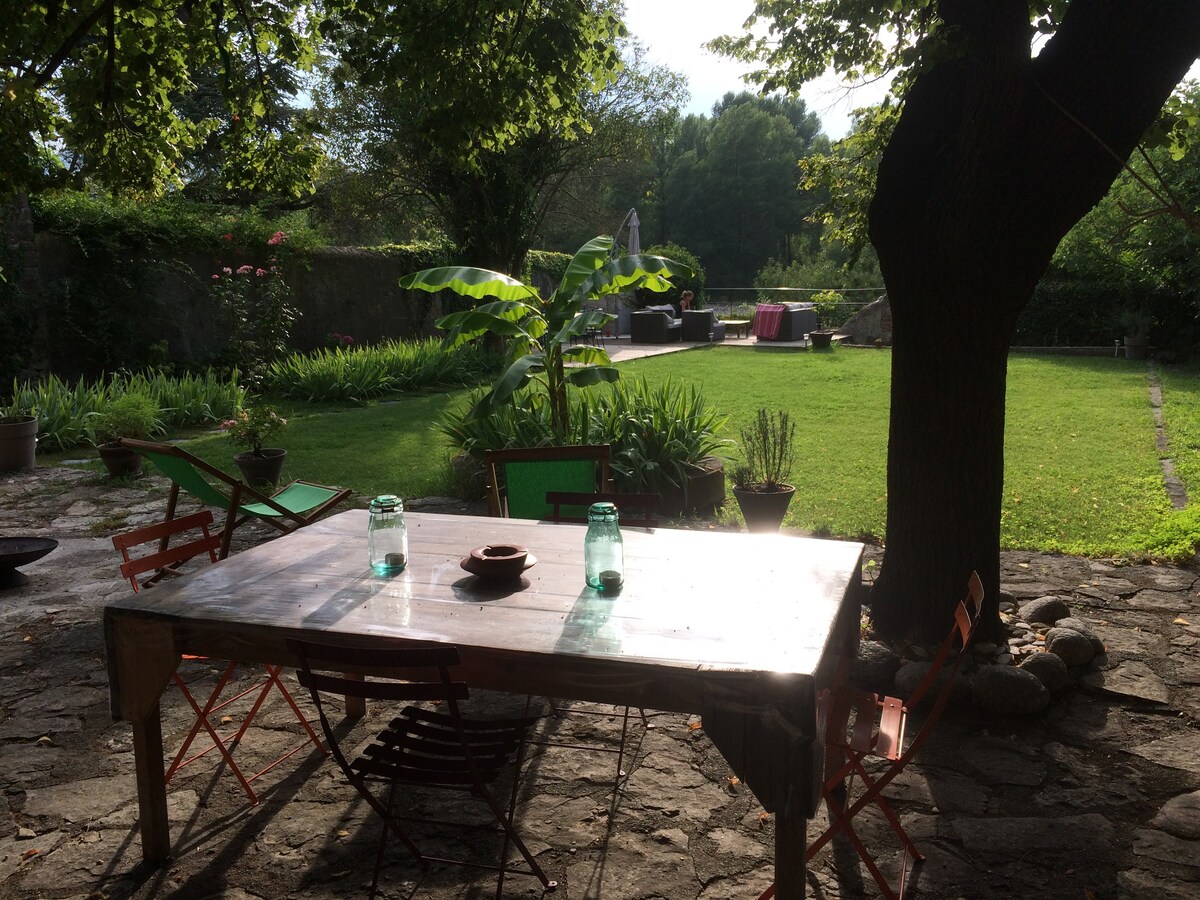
{"x": 1136, "y": 323}
{"x": 252, "y": 428}
{"x": 130, "y": 416}
{"x": 758, "y": 484}
{"x": 826, "y": 304}
{"x": 18, "y": 435}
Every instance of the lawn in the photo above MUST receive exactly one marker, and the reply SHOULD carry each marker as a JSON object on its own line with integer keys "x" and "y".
{"x": 1081, "y": 475}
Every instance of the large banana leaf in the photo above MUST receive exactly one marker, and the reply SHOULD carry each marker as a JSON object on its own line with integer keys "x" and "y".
{"x": 586, "y": 376}
{"x": 586, "y": 354}
{"x": 512, "y": 380}
{"x": 578, "y": 325}
{"x": 628, "y": 272}
{"x": 469, "y": 282}
{"x": 587, "y": 259}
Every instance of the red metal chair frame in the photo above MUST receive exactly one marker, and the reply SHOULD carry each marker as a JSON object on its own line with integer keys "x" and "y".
{"x": 421, "y": 748}
{"x": 166, "y": 562}
{"x": 878, "y": 731}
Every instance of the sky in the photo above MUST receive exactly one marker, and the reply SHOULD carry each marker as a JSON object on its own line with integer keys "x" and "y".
{"x": 674, "y": 30}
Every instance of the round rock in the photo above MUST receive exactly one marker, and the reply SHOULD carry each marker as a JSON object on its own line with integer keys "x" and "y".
{"x": 1180, "y": 816}
{"x": 1045, "y": 609}
{"x": 909, "y": 676}
{"x": 1074, "y": 648}
{"x": 1049, "y": 669}
{"x": 875, "y": 666}
{"x": 1083, "y": 628}
{"x": 1006, "y": 691}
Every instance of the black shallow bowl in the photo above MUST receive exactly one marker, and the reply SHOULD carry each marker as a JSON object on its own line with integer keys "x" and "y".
{"x": 20, "y": 551}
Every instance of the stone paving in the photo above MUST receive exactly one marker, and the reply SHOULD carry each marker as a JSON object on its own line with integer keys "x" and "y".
{"x": 1096, "y": 797}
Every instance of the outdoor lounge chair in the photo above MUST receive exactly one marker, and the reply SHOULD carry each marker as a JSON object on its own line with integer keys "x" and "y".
{"x": 419, "y": 748}
{"x": 166, "y": 562}
{"x": 864, "y": 730}
{"x": 300, "y": 503}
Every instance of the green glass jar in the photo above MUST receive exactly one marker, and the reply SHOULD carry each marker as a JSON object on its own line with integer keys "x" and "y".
{"x": 603, "y": 549}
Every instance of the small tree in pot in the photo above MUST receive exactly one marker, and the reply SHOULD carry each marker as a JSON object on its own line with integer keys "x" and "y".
{"x": 129, "y": 416}
{"x": 759, "y": 484}
{"x": 251, "y": 428}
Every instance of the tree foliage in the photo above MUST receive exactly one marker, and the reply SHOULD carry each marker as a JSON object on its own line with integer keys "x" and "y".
{"x": 731, "y": 194}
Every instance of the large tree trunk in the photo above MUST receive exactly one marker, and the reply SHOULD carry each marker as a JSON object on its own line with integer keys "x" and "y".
{"x": 995, "y": 156}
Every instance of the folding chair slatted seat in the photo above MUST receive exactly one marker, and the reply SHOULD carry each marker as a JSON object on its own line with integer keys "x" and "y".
{"x": 635, "y": 511}
{"x": 879, "y": 732}
{"x": 166, "y": 561}
{"x": 294, "y": 506}
{"x": 418, "y": 747}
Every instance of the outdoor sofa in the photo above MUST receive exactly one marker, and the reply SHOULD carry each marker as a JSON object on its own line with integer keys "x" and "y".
{"x": 702, "y": 325}
{"x": 654, "y": 325}
{"x": 799, "y": 319}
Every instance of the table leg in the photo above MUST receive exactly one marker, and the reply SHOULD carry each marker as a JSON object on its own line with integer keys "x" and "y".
{"x": 151, "y": 788}
{"x": 356, "y": 707}
{"x": 790, "y": 844}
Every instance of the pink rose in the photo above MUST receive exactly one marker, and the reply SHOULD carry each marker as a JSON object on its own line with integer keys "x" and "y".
{"x": 245, "y": 270}
{"x": 260, "y": 272}
{"x": 227, "y": 270}
{"x": 347, "y": 340}
{"x": 228, "y": 237}
{"x": 277, "y": 238}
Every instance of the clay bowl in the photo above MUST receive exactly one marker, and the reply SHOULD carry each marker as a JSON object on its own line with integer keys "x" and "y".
{"x": 498, "y": 561}
{"x": 19, "y": 551}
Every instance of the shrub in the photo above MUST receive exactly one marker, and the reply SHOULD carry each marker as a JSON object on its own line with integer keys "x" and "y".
{"x": 656, "y": 433}
{"x": 695, "y": 284}
{"x": 128, "y": 415}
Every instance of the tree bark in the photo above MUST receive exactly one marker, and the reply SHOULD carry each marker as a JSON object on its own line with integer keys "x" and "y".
{"x": 995, "y": 156}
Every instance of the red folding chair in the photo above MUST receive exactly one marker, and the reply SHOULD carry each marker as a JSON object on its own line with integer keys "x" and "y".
{"x": 166, "y": 561}
{"x": 861, "y": 725}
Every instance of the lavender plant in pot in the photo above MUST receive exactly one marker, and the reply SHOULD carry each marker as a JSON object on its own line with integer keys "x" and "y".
{"x": 759, "y": 483}
{"x": 252, "y": 428}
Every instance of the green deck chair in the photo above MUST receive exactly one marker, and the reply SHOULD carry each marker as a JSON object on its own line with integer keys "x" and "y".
{"x": 519, "y": 477}
{"x": 300, "y": 503}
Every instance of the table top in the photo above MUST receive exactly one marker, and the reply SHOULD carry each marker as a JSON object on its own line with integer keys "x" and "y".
{"x": 696, "y": 600}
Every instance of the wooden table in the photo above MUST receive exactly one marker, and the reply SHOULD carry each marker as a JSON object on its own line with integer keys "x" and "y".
{"x": 743, "y": 629}
{"x": 738, "y": 327}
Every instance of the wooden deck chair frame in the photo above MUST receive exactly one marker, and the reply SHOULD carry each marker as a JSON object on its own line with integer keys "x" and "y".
{"x": 441, "y": 749}
{"x": 166, "y": 562}
{"x": 495, "y": 462}
{"x": 878, "y": 731}
{"x": 644, "y": 515}
{"x": 294, "y": 506}
{"x": 635, "y": 510}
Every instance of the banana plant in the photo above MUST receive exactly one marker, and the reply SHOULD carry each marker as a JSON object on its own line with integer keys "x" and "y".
{"x": 538, "y": 331}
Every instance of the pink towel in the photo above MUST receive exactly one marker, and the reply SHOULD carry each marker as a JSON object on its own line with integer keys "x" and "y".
{"x": 767, "y": 319}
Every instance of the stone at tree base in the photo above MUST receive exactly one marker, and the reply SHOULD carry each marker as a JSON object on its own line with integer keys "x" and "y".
{"x": 909, "y": 676}
{"x": 875, "y": 666}
{"x": 1180, "y": 816}
{"x": 1074, "y": 648}
{"x": 1083, "y": 628}
{"x": 1045, "y": 609}
{"x": 1008, "y": 691}
{"x": 1049, "y": 669}
{"x": 1006, "y": 601}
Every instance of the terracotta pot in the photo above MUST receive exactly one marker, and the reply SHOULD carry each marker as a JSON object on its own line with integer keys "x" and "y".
{"x": 261, "y": 469}
{"x": 18, "y": 442}
{"x": 764, "y": 510}
{"x": 121, "y": 462}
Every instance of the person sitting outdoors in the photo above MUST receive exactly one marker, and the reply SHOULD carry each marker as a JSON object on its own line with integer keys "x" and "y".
{"x": 684, "y": 302}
